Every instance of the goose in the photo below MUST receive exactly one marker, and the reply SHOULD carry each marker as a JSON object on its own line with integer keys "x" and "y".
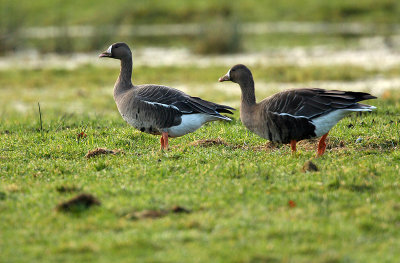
{"x": 157, "y": 109}
{"x": 293, "y": 115}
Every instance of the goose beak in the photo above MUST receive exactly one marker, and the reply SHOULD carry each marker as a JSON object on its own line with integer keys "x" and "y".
{"x": 224, "y": 78}
{"x": 107, "y": 53}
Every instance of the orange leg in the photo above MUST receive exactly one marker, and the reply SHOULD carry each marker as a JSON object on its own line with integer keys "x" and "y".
{"x": 293, "y": 146}
{"x": 164, "y": 141}
{"x": 322, "y": 145}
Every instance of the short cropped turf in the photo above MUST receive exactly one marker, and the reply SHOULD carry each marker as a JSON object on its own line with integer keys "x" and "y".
{"x": 243, "y": 198}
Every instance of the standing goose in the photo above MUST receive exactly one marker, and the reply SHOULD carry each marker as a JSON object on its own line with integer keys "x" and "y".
{"x": 157, "y": 109}
{"x": 294, "y": 115}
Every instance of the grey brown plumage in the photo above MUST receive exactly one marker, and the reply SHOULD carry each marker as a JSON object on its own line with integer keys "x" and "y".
{"x": 293, "y": 115}
{"x": 155, "y": 108}
{"x": 158, "y": 109}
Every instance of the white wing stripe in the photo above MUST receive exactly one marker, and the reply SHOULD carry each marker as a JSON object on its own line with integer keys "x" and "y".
{"x": 287, "y": 114}
{"x": 161, "y": 104}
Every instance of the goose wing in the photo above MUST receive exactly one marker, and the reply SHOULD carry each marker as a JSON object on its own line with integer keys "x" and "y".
{"x": 312, "y": 103}
{"x": 178, "y": 100}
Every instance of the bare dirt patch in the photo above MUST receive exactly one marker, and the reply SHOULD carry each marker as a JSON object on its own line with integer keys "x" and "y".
{"x": 67, "y": 188}
{"x": 268, "y": 146}
{"x": 220, "y": 141}
{"x": 210, "y": 142}
{"x": 78, "y": 203}
{"x": 304, "y": 145}
{"x": 309, "y": 166}
{"x": 100, "y": 151}
{"x": 152, "y": 214}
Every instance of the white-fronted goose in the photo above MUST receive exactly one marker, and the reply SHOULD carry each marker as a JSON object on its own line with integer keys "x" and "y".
{"x": 294, "y": 115}
{"x": 156, "y": 109}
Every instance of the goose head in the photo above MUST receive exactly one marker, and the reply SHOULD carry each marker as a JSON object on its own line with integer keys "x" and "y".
{"x": 238, "y": 74}
{"x": 118, "y": 51}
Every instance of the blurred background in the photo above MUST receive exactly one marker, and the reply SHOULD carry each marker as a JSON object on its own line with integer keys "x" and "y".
{"x": 202, "y": 27}
{"x": 188, "y": 44}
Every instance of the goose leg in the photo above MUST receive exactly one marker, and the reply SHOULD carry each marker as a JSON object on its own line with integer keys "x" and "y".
{"x": 322, "y": 145}
{"x": 293, "y": 146}
{"x": 164, "y": 141}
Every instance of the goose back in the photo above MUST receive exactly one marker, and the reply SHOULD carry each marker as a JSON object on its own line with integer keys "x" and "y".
{"x": 312, "y": 103}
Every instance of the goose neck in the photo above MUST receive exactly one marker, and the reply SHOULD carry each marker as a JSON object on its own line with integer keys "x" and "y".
{"x": 124, "y": 81}
{"x": 248, "y": 93}
{"x": 125, "y": 74}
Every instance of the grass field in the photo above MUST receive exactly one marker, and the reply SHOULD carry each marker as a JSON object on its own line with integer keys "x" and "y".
{"x": 221, "y": 194}
{"x": 246, "y": 200}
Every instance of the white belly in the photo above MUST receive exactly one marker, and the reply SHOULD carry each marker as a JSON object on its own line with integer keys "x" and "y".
{"x": 190, "y": 123}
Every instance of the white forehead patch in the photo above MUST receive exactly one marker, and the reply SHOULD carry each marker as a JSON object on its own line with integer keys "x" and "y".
{"x": 109, "y": 49}
{"x": 229, "y": 74}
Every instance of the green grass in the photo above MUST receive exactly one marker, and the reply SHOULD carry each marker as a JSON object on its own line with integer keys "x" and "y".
{"x": 238, "y": 192}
